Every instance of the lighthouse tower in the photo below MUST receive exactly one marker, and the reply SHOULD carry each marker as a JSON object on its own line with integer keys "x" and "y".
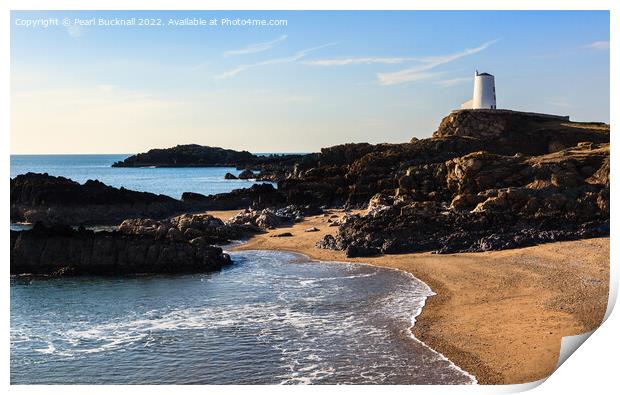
{"x": 484, "y": 91}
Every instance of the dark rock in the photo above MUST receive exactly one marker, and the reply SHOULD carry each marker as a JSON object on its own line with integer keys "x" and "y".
{"x": 270, "y": 218}
{"x": 61, "y": 250}
{"x": 229, "y": 176}
{"x": 283, "y": 234}
{"x": 246, "y": 175}
{"x": 194, "y": 155}
{"x": 44, "y": 198}
{"x": 188, "y": 227}
{"x": 187, "y": 155}
{"x": 513, "y": 131}
{"x": 496, "y": 202}
{"x": 328, "y": 242}
{"x": 353, "y": 251}
{"x": 257, "y": 196}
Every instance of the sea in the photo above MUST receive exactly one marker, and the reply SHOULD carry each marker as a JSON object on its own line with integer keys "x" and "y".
{"x": 162, "y": 180}
{"x": 269, "y": 318}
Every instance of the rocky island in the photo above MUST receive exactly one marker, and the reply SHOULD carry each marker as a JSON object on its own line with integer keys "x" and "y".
{"x": 269, "y": 167}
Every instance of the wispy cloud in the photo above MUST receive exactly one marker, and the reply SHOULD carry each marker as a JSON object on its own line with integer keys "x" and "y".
{"x": 599, "y": 45}
{"x": 560, "y": 101}
{"x": 453, "y": 81}
{"x": 421, "y": 72}
{"x": 289, "y": 59}
{"x": 255, "y": 48}
{"x": 353, "y": 61}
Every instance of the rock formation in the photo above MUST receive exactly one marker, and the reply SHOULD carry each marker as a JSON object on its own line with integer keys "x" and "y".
{"x": 49, "y": 199}
{"x": 247, "y": 174}
{"x": 187, "y": 227}
{"x": 193, "y": 155}
{"x": 510, "y": 132}
{"x": 526, "y": 179}
{"x": 270, "y": 218}
{"x": 256, "y": 196}
{"x": 61, "y": 250}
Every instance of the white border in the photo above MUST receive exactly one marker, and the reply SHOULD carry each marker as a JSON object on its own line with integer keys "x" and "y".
{"x": 310, "y": 5}
{"x": 591, "y": 367}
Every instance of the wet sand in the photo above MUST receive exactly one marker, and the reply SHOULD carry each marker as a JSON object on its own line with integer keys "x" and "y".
{"x": 499, "y": 315}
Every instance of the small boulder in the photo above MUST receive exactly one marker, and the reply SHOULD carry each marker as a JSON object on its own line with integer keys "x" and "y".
{"x": 379, "y": 200}
{"x": 361, "y": 251}
{"x": 283, "y": 234}
{"x": 246, "y": 175}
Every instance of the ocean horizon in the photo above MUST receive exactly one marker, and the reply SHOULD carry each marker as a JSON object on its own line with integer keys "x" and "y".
{"x": 170, "y": 181}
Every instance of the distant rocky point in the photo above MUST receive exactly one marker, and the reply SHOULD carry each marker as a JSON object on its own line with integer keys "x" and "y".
{"x": 194, "y": 155}
{"x": 188, "y": 155}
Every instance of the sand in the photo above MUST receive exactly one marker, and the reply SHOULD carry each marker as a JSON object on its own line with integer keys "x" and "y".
{"x": 499, "y": 315}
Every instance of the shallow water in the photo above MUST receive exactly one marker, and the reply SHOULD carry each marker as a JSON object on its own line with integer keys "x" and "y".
{"x": 168, "y": 181}
{"x": 270, "y": 318}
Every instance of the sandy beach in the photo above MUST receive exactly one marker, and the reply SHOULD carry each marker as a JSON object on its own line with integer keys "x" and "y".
{"x": 499, "y": 315}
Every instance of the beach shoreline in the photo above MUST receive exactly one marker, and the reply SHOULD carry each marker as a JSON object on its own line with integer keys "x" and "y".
{"x": 498, "y": 315}
{"x": 414, "y": 315}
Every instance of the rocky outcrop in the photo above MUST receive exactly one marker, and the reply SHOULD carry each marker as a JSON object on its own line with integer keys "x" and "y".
{"x": 58, "y": 200}
{"x": 510, "y": 132}
{"x": 230, "y": 176}
{"x": 270, "y": 218}
{"x": 44, "y": 198}
{"x": 190, "y": 155}
{"x": 246, "y": 175}
{"x": 351, "y": 174}
{"x": 257, "y": 196}
{"x": 187, "y": 227}
{"x": 488, "y": 202}
{"x": 194, "y": 155}
{"x": 61, "y": 250}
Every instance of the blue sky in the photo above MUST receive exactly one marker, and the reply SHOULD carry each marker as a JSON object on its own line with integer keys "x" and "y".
{"x": 326, "y": 78}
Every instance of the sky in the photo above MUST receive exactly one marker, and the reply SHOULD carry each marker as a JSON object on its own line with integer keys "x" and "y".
{"x": 324, "y": 78}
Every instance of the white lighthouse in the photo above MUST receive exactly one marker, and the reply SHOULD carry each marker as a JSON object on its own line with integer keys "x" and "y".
{"x": 484, "y": 91}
